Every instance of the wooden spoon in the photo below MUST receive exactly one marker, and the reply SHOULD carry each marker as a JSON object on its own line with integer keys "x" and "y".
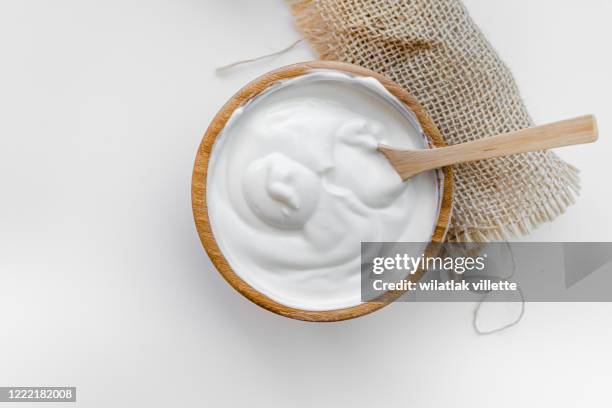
{"x": 579, "y": 130}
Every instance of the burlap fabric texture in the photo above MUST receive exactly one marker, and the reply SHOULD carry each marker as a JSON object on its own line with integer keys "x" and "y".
{"x": 436, "y": 52}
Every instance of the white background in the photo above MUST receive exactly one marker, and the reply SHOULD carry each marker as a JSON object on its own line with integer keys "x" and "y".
{"x": 103, "y": 281}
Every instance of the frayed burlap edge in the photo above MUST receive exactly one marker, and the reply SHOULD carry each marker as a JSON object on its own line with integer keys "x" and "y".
{"x": 325, "y": 42}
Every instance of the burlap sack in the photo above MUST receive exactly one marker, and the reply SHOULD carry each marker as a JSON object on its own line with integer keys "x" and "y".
{"x": 434, "y": 50}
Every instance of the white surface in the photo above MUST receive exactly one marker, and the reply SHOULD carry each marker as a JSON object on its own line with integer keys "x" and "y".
{"x": 103, "y": 282}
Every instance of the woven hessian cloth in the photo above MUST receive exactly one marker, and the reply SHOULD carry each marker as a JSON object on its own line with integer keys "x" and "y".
{"x": 436, "y": 52}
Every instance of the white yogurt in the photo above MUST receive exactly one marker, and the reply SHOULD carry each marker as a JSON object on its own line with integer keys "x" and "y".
{"x": 295, "y": 184}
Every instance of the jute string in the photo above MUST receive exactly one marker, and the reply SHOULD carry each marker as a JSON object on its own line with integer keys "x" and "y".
{"x": 235, "y": 64}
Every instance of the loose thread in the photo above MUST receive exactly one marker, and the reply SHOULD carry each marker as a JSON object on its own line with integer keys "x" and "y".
{"x": 478, "y": 306}
{"x": 248, "y": 61}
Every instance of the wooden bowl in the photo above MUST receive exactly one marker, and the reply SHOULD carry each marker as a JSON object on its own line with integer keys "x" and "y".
{"x": 198, "y": 186}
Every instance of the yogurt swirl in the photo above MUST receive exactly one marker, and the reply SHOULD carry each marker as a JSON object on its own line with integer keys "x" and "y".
{"x": 295, "y": 184}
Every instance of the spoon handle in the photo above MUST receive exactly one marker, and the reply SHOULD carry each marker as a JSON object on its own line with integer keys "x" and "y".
{"x": 579, "y": 130}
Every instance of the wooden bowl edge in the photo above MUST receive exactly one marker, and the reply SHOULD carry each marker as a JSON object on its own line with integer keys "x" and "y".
{"x": 198, "y": 187}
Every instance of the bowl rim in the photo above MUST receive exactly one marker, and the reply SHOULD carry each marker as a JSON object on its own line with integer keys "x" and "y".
{"x": 200, "y": 171}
